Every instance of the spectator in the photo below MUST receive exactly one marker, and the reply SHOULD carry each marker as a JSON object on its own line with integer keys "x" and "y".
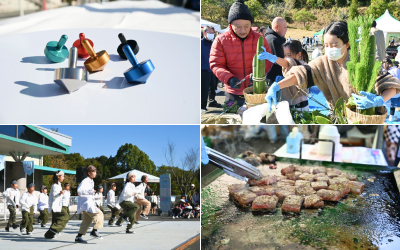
{"x": 153, "y": 201}
{"x": 208, "y": 80}
{"x": 191, "y": 192}
{"x": 292, "y": 53}
{"x": 187, "y": 211}
{"x": 379, "y": 42}
{"x": 263, "y": 30}
{"x": 289, "y": 39}
{"x": 182, "y": 203}
{"x": 304, "y": 41}
{"x": 392, "y": 50}
{"x": 184, "y": 198}
{"x": 316, "y": 40}
{"x": 196, "y": 198}
{"x": 276, "y": 38}
{"x": 148, "y": 190}
{"x": 197, "y": 211}
{"x": 176, "y": 212}
{"x": 232, "y": 53}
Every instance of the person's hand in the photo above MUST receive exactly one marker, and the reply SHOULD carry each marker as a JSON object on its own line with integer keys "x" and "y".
{"x": 233, "y": 81}
{"x": 61, "y": 192}
{"x": 271, "y": 95}
{"x": 368, "y": 100}
{"x": 204, "y": 155}
{"x": 267, "y": 56}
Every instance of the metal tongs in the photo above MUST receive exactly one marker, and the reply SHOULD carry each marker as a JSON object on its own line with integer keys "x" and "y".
{"x": 235, "y": 168}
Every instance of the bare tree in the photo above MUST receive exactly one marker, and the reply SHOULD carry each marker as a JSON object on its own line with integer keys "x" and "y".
{"x": 186, "y": 173}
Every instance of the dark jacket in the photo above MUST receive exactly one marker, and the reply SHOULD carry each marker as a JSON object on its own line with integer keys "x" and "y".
{"x": 275, "y": 43}
{"x": 205, "y": 54}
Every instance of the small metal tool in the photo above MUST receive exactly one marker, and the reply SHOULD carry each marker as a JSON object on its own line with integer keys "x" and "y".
{"x": 140, "y": 72}
{"x": 56, "y": 51}
{"x": 132, "y": 43}
{"x": 237, "y": 169}
{"x": 82, "y": 53}
{"x": 71, "y": 78}
{"x": 97, "y": 61}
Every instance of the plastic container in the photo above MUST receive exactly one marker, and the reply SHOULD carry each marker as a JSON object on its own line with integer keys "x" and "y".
{"x": 329, "y": 132}
{"x": 293, "y": 141}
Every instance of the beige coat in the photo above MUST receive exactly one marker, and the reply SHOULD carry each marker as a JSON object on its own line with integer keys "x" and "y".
{"x": 380, "y": 43}
{"x": 333, "y": 80}
{"x": 292, "y": 94}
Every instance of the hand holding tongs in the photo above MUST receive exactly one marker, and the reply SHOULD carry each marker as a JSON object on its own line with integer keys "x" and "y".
{"x": 238, "y": 169}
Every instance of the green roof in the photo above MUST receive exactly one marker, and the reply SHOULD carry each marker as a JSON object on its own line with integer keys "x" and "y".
{"x": 50, "y": 171}
{"x": 321, "y": 32}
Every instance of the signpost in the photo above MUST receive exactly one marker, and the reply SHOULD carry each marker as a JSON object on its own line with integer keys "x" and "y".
{"x": 165, "y": 194}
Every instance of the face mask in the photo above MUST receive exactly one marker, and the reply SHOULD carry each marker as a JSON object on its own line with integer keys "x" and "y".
{"x": 210, "y": 36}
{"x": 334, "y": 53}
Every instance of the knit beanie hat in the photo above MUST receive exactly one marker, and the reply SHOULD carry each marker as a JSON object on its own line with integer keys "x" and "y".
{"x": 239, "y": 10}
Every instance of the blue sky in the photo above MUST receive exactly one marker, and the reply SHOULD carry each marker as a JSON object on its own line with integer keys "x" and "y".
{"x": 96, "y": 140}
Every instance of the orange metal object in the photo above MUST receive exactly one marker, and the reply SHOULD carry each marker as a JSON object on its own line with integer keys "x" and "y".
{"x": 97, "y": 61}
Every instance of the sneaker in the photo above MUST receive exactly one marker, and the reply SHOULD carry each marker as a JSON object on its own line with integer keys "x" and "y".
{"x": 96, "y": 235}
{"x": 144, "y": 216}
{"x": 173, "y": 217}
{"x": 50, "y": 238}
{"x": 23, "y": 231}
{"x": 128, "y": 231}
{"x": 58, "y": 234}
{"x": 110, "y": 224}
{"x": 137, "y": 222}
{"x": 80, "y": 240}
{"x": 7, "y": 229}
{"x": 28, "y": 233}
{"x": 42, "y": 226}
{"x": 15, "y": 226}
{"x": 118, "y": 225}
{"x": 126, "y": 219}
{"x": 214, "y": 104}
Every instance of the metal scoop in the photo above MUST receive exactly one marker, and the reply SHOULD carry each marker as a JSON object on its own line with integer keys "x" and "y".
{"x": 71, "y": 78}
{"x": 238, "y": 169}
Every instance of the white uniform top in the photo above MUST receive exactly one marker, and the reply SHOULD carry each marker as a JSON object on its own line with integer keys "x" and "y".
{"x": 86, "y": 197}
{"x": 65, "y": 198}
{"x": 27, "y": 201}
{"x": 55, "y": 199}
{"x": 98, "y": 198}
{"x": 111, "y": 198}
{"x": 153, "y": 198}
{"x": 12, "y": 196}
{"x": 141, "y": 187}
{"x": 43, "y": 201}
{"x": 126, "y": 194}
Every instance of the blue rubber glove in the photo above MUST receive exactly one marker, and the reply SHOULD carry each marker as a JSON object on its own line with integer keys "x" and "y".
{"x": 368, "y": 100}
{"x": 395, "y": 102}
{"x": 267, "y": 56}
{"x": 271, "y": 95}
{"x": 204, "y": 155}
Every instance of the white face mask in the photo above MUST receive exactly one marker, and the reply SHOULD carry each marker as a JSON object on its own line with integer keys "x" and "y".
{"x": 334, "y": 53}
{"x": 210, "y": 36}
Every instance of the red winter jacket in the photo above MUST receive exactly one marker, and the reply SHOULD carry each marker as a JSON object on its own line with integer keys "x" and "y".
{"x": 230, "y": 57}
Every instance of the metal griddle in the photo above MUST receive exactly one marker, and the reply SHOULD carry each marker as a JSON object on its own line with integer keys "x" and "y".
{"x": 355, "y": 222}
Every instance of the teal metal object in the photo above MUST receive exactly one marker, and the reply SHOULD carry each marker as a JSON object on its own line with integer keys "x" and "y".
{"x": 56, "y": 51}
{"x": 140, "y": 72}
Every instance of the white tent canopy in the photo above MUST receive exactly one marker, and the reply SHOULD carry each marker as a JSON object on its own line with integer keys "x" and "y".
{"x": 138, "y": 175}
{"x": 217, "y": 27}
{"x": 389, "y": 25}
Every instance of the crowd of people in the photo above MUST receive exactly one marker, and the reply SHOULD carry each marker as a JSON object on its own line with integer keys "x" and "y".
{"x": 229, "y": 57}
{"x": 188, "y": 207}
{"x": 132, "y": 204}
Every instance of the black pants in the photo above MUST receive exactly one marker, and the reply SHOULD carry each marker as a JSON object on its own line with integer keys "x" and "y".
{"x": 208, "y": 83}
{"x": 231, "y": 97}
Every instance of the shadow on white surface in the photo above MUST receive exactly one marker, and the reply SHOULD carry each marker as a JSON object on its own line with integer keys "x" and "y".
{"x": 45, "y": 69}
{"x": 41, "y": 90}
{"x": 116, "y": 83}
{"x": 36, "y": 60}
{"x": 156, "y": 11}
{"x": 116, "y": 58}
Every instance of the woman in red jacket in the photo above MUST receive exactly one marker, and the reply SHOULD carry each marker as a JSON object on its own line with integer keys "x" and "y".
{"x": 232, "y": 52}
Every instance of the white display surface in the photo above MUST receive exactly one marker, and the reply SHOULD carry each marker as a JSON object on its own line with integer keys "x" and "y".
{"x": 361, "y": 155}
{"x": 28, "y": 94}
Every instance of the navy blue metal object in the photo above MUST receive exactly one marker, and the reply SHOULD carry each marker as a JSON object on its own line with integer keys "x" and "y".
{"x": 140, "y": 72}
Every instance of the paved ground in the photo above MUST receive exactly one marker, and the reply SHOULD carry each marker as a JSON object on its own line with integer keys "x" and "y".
{"x": 158, "y": 232}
